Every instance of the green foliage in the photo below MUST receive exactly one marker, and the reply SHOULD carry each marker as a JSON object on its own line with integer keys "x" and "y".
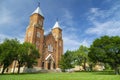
{"x": 31, "y": 54}
{"x": 67, "y": 60}
{"x": 27, "y": 55}
{"x": 106, "y": 49}
{"x": 8, "y": 51}
{"x": 0, "y": 54}
{"x": 11, "y": 49}
{"x": 81, "y": 56}
{"x": 71, "y": 58}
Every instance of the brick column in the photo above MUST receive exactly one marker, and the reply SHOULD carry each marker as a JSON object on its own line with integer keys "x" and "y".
{"x": 46, "y": 65}
{"x": 51, "y": 65}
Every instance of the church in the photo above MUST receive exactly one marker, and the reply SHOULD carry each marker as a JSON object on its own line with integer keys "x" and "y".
{"x": 50, "y": 46}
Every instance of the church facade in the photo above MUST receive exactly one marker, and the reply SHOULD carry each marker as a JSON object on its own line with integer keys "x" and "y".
{"x": 50, "y": 46}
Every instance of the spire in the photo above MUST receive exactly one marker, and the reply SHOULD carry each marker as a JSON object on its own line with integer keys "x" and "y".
{"x": 38, "y": 10}
{"x": 56, "y": 24}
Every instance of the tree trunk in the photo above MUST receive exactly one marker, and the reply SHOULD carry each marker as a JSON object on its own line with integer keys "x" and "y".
{"x": 19, "y": 67}
{"x": 3, "y": 70}
{"x": 116, "y": 70}
{"x": 91, "y": 66}
{"x": 84, "y": 66}
{"x": 79, "y": 68}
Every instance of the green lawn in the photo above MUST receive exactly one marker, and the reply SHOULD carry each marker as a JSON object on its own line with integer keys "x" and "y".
{"x": 63, "y": 76}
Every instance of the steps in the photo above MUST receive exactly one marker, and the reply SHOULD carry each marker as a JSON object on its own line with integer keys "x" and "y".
{"x": 49, "y": 71}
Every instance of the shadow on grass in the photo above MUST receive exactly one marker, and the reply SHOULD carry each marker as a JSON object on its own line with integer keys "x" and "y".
{"x": 98, "y": 72}
{"x": 92, "y": 72}
{"x": 104, "y": 73}
{"x": 22, "y": 73}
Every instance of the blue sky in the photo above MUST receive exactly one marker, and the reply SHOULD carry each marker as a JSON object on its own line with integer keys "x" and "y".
{"x": 82, "y": 21}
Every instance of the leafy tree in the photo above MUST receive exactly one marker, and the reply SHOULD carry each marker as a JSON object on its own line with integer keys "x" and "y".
{"x": 106, "y": 49}
{"x": 32, "y": 54}
{"x": 62, "y": 63}
{"x": 67, "y": 60}
{"x": 8, "y": 50}
{"x": 27, "y": 55}
{"x": 81, "y": 56}
{"x": 11, "y": 49}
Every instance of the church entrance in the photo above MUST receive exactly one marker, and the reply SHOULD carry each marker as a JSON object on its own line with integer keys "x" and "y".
{"x": 50, "y": 64}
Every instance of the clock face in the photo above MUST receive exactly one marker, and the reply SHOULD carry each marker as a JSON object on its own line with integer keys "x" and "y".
{"x": 38, "y": 34}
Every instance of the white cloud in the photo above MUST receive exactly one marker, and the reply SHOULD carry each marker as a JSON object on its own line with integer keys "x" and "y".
{"x": 67, "y": 21}
{"x": 94, "y": 10}
{"x": 11, "y": 20}
{"x": 70, "y": 39}
{"x": 85, "y": 43}
{"x": 107, "y": 28}
{"x": 70, "y": 44}
{"x": 4, "y": 36}
{"x": 105, "y": 22}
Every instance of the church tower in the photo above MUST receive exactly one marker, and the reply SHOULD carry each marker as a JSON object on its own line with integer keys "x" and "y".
{"x": 57, "y": 33}
{"x": 35, "y": 31}
{"x": 50, "y": 46}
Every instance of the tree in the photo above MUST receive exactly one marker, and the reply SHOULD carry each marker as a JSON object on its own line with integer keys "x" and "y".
{"x": 32, "y": 54}
{"x": 27, "y": 55}
{"x": 81, "y": 56}
{"x": 8, "y": 50}
{"x": 107, "y": 50}
{"x": 67, "y": 60}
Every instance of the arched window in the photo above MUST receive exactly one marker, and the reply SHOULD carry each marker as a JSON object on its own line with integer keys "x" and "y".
{"x": 50, "y": 48}
{"x": 38, "y": 34}
{"x": 37, "y": 44}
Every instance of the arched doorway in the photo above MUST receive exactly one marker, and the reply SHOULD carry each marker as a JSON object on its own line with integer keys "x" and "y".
{"x": 50, "y": 63}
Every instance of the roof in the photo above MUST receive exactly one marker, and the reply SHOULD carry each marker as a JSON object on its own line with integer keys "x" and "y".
{"x": 38, "y": 10}
{"x": 56, "y": 25}
{"x": 49, "y": 57}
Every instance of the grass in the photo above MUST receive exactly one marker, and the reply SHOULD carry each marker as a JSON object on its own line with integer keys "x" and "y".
{"x": 62, "y": 76}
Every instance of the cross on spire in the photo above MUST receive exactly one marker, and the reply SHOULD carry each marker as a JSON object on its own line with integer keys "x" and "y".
{"x": 38, "y": 4}
{"x": 38, "y": 10}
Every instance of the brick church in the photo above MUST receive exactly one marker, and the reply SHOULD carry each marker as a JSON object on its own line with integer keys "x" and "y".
{"x": 50, "y": 46}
